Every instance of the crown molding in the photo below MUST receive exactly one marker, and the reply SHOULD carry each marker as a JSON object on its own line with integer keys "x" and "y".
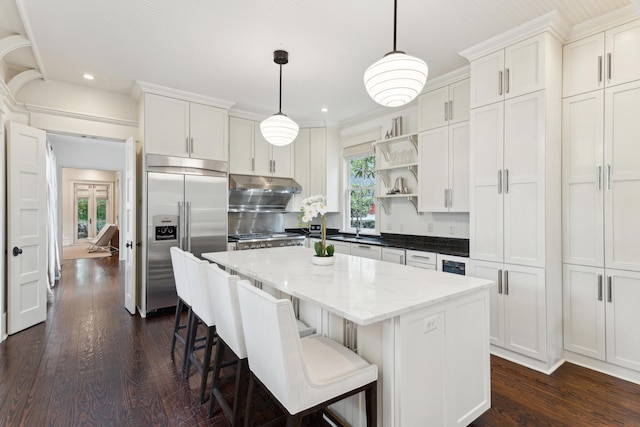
{"x": 552, "y": 22}
{"x": 604, "y": 22}
{"x": 145, "y": 87}
{"x": 27, "y": 28}
{"x": 446, "y": 79}
{"x": 75, "y": 115}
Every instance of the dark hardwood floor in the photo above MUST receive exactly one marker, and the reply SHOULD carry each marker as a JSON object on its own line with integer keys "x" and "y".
{"x": 92, "y": 363}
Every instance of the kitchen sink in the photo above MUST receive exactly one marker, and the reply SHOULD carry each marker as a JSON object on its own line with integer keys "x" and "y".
{"x": 353, "y": 239}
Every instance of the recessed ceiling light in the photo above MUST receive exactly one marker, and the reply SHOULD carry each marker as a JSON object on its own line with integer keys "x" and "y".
{"x": 88, "y": 76}
{"x": 324, "y": 109}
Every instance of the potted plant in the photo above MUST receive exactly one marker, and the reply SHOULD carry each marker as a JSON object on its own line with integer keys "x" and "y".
{"x": 312, "y": 207}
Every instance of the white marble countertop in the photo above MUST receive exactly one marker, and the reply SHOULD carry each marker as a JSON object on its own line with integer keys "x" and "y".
{"x": 361, "y": 290}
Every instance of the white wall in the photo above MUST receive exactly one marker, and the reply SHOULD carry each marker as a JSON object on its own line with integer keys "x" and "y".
{"x": 403, "y": 218}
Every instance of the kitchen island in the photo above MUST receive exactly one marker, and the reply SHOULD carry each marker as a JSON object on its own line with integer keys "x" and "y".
{"x": 427, "y": 331}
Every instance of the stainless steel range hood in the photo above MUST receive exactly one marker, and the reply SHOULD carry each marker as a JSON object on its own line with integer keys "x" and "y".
{"x": 248, "y": 193}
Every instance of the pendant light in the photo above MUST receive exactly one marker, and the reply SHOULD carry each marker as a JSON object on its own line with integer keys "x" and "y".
{"x": 279, "y": 129}
{"x": 397, "y": 78}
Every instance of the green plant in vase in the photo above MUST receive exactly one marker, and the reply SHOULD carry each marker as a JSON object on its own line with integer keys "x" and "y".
{"x": 312, "y": 207}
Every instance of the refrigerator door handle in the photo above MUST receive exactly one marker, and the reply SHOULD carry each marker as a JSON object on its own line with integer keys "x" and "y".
{"x": 180, "y": 231}
{"x": 188, "y": 225}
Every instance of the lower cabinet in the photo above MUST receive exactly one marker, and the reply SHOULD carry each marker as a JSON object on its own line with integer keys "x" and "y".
{"x": 602, "y": 314}
{"x": 518, "y": 307}
{"x": 396, "y": 256}
{"x": 366, "y": 251}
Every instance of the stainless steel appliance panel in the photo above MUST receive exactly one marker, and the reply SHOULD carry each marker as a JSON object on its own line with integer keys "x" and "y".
{"x": 206, "y": 213}
{"x": 165, "y": 195}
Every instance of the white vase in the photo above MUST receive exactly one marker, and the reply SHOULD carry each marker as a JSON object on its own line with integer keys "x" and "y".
{"x": 323, "y": 260}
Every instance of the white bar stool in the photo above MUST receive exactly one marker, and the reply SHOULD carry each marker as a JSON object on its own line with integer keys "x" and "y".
{"x": 304, "y": 375}
{"x": 184, "y": 301}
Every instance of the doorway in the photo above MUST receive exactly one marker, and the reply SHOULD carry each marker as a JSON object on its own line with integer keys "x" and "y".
{"x": 92, "y": 208}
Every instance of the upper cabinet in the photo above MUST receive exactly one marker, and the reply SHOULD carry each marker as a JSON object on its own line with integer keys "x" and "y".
{"x": 444, "y": 106}
{"x": 251, "y": 154}
{"x": 175, "y": 127}
{"x": 509, "y": 72}
{"x": 602, "y": 60}
{"x": 310, "y": 167}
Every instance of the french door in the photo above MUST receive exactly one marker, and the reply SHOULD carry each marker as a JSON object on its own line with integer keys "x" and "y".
{"x": 92, "y": 208}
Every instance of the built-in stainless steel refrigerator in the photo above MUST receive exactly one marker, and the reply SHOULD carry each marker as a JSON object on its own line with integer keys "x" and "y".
{"x": 186, "y": 207}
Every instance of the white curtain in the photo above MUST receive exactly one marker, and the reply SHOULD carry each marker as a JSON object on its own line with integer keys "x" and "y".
{"x": 52, "y": 221}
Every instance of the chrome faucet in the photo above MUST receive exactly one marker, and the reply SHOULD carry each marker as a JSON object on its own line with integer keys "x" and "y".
{"x": 358, "y": 226}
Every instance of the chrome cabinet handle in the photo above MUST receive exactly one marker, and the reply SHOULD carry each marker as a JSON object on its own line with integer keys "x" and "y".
{"x": 188, "y": 225}
{"x": 180, "y": 230}
{"x": 446, "y": 111}
{"x": 421, "y": 257}
{"x": 609, "y": 66}
{"x": 499, "y": 281}
{"x": 609, "y": 292}
{"x": 499, "y": 82}
{"x": 506, "y": 282}
{"x": 506, "y": 181}
{"x": 450, "y": 110}
{"x": 600, "y": 69}
{"x": 599, "y": 177}
{"x": 608, "y": 177}
{"x": 506, "y": 80}
{"x": 253, "y": 165}
{"x": 499, "y": 181}
{"x": 364, "y": 247}
{"x": 191, "y": 148}
{"x": 450, "y": 198}
{"x": 599, "y": 287}
{"x": 446, "y": 204}
{"x": 274, "y": 166}
{"x": 186, "y": 144}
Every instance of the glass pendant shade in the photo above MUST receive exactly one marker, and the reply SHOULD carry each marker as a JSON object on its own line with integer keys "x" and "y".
{"x": 396, "y": 79}
{"x": 279, "y": 129}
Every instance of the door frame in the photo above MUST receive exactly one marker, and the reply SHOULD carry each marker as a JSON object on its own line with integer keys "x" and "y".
{"x": 110, "y": 204}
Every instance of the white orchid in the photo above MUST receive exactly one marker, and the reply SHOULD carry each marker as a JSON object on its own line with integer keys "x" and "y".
{"x": 312, "y": 207}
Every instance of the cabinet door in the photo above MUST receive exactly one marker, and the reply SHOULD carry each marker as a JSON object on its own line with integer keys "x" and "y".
{"x": 282, "y": 160}
{"x": 523, "y": 174}
{"x": 623, "y": 53}
{"x": 434, "y": 109}
{"x": 622, "y": 173}
{"x": 582, "y": 179}
{"x": 487, "y": 79}
{"x": 241, "y": 136}
{"x": 524, "y": 67}
{"x": 262, "y": 164}
{"x": 525, "y": 311}
{"x": 584, "y": 310}
{"x": 340, "y": 247}
{"x": 301, "y": 175}
{"x": 396, "y": 256}
{"x": 486, "y": 153}
{"x": 492, "y": 271}
{"x": 208, "y": 129}
{"x": 317, "y": 162}
{"x": 433, "y": 170}
{"x": 459, "y": 167}
{"x": 166, "y": 126}
{"x": 459, "y": 98}
{"x": 623, "y": 318}
{"x": 366, "y": 251}
{"x": 583, "y": 65}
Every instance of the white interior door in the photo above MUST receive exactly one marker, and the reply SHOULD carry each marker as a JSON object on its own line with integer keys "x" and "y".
{"x": 26, "y": 227}
{"x": 130, "y": 228}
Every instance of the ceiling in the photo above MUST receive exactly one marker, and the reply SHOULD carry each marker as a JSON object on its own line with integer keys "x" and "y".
{"x": 224, "y": 48}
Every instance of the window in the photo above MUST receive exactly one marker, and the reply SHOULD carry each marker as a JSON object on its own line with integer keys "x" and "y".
{"x": 361, "y": 215}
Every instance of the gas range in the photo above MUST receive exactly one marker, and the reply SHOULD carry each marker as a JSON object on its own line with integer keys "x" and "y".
{"x": 266, "y": 240}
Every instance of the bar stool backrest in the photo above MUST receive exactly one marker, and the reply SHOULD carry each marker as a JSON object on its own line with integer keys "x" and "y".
{"x": 180, "y": 274}
{"x": 199, "y": 289}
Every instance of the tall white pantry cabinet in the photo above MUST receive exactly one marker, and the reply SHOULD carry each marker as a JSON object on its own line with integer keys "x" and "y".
{"x": 601, "y": 199}
{"x": 515, "y": 199}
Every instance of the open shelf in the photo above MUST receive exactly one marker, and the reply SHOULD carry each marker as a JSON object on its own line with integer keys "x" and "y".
{"x": 386, "y": 199}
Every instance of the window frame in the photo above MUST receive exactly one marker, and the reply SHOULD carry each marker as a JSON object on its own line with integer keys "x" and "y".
{"x": 346, "y": 217}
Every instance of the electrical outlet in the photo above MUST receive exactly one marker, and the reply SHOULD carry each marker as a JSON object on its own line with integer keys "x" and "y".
{"x": 389, "y": 227}
{"x": 430, "y": 324}
{"x": 430, "y": 228}
{"x": 452, "y": 229}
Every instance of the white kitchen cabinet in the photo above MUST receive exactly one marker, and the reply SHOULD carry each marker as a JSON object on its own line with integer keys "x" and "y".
{"x": 444, "y": 106}
{"x": 443, "y": 169}
{"x": 251, "y": 154}
{"x": 602, "y": 60}
{"x": 421, "y": 259}
{"x": 396, "y": 256}
{"x": 340, "y": 247}
{"x": 510, "y": 72}
{"x": 601, "y": 316}
{"x": 175, "y": 127}
{"x": 518, "y": 316}
{"x": 509, "y": 156}
{"x": 310, "y": 165}
{"x": 366, "y": 251}
{"x": 601, "y": 178}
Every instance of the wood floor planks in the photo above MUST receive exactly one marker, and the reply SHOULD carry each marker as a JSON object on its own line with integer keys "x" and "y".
{"x": 92, "y": 363}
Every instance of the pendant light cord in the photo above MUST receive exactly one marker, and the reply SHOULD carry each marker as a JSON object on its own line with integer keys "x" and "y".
{"x": 395, "y": 21}
{"x": 280, "y": 104}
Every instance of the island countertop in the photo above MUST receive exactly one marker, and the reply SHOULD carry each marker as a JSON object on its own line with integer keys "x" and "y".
{"x": 361, "y": 290}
